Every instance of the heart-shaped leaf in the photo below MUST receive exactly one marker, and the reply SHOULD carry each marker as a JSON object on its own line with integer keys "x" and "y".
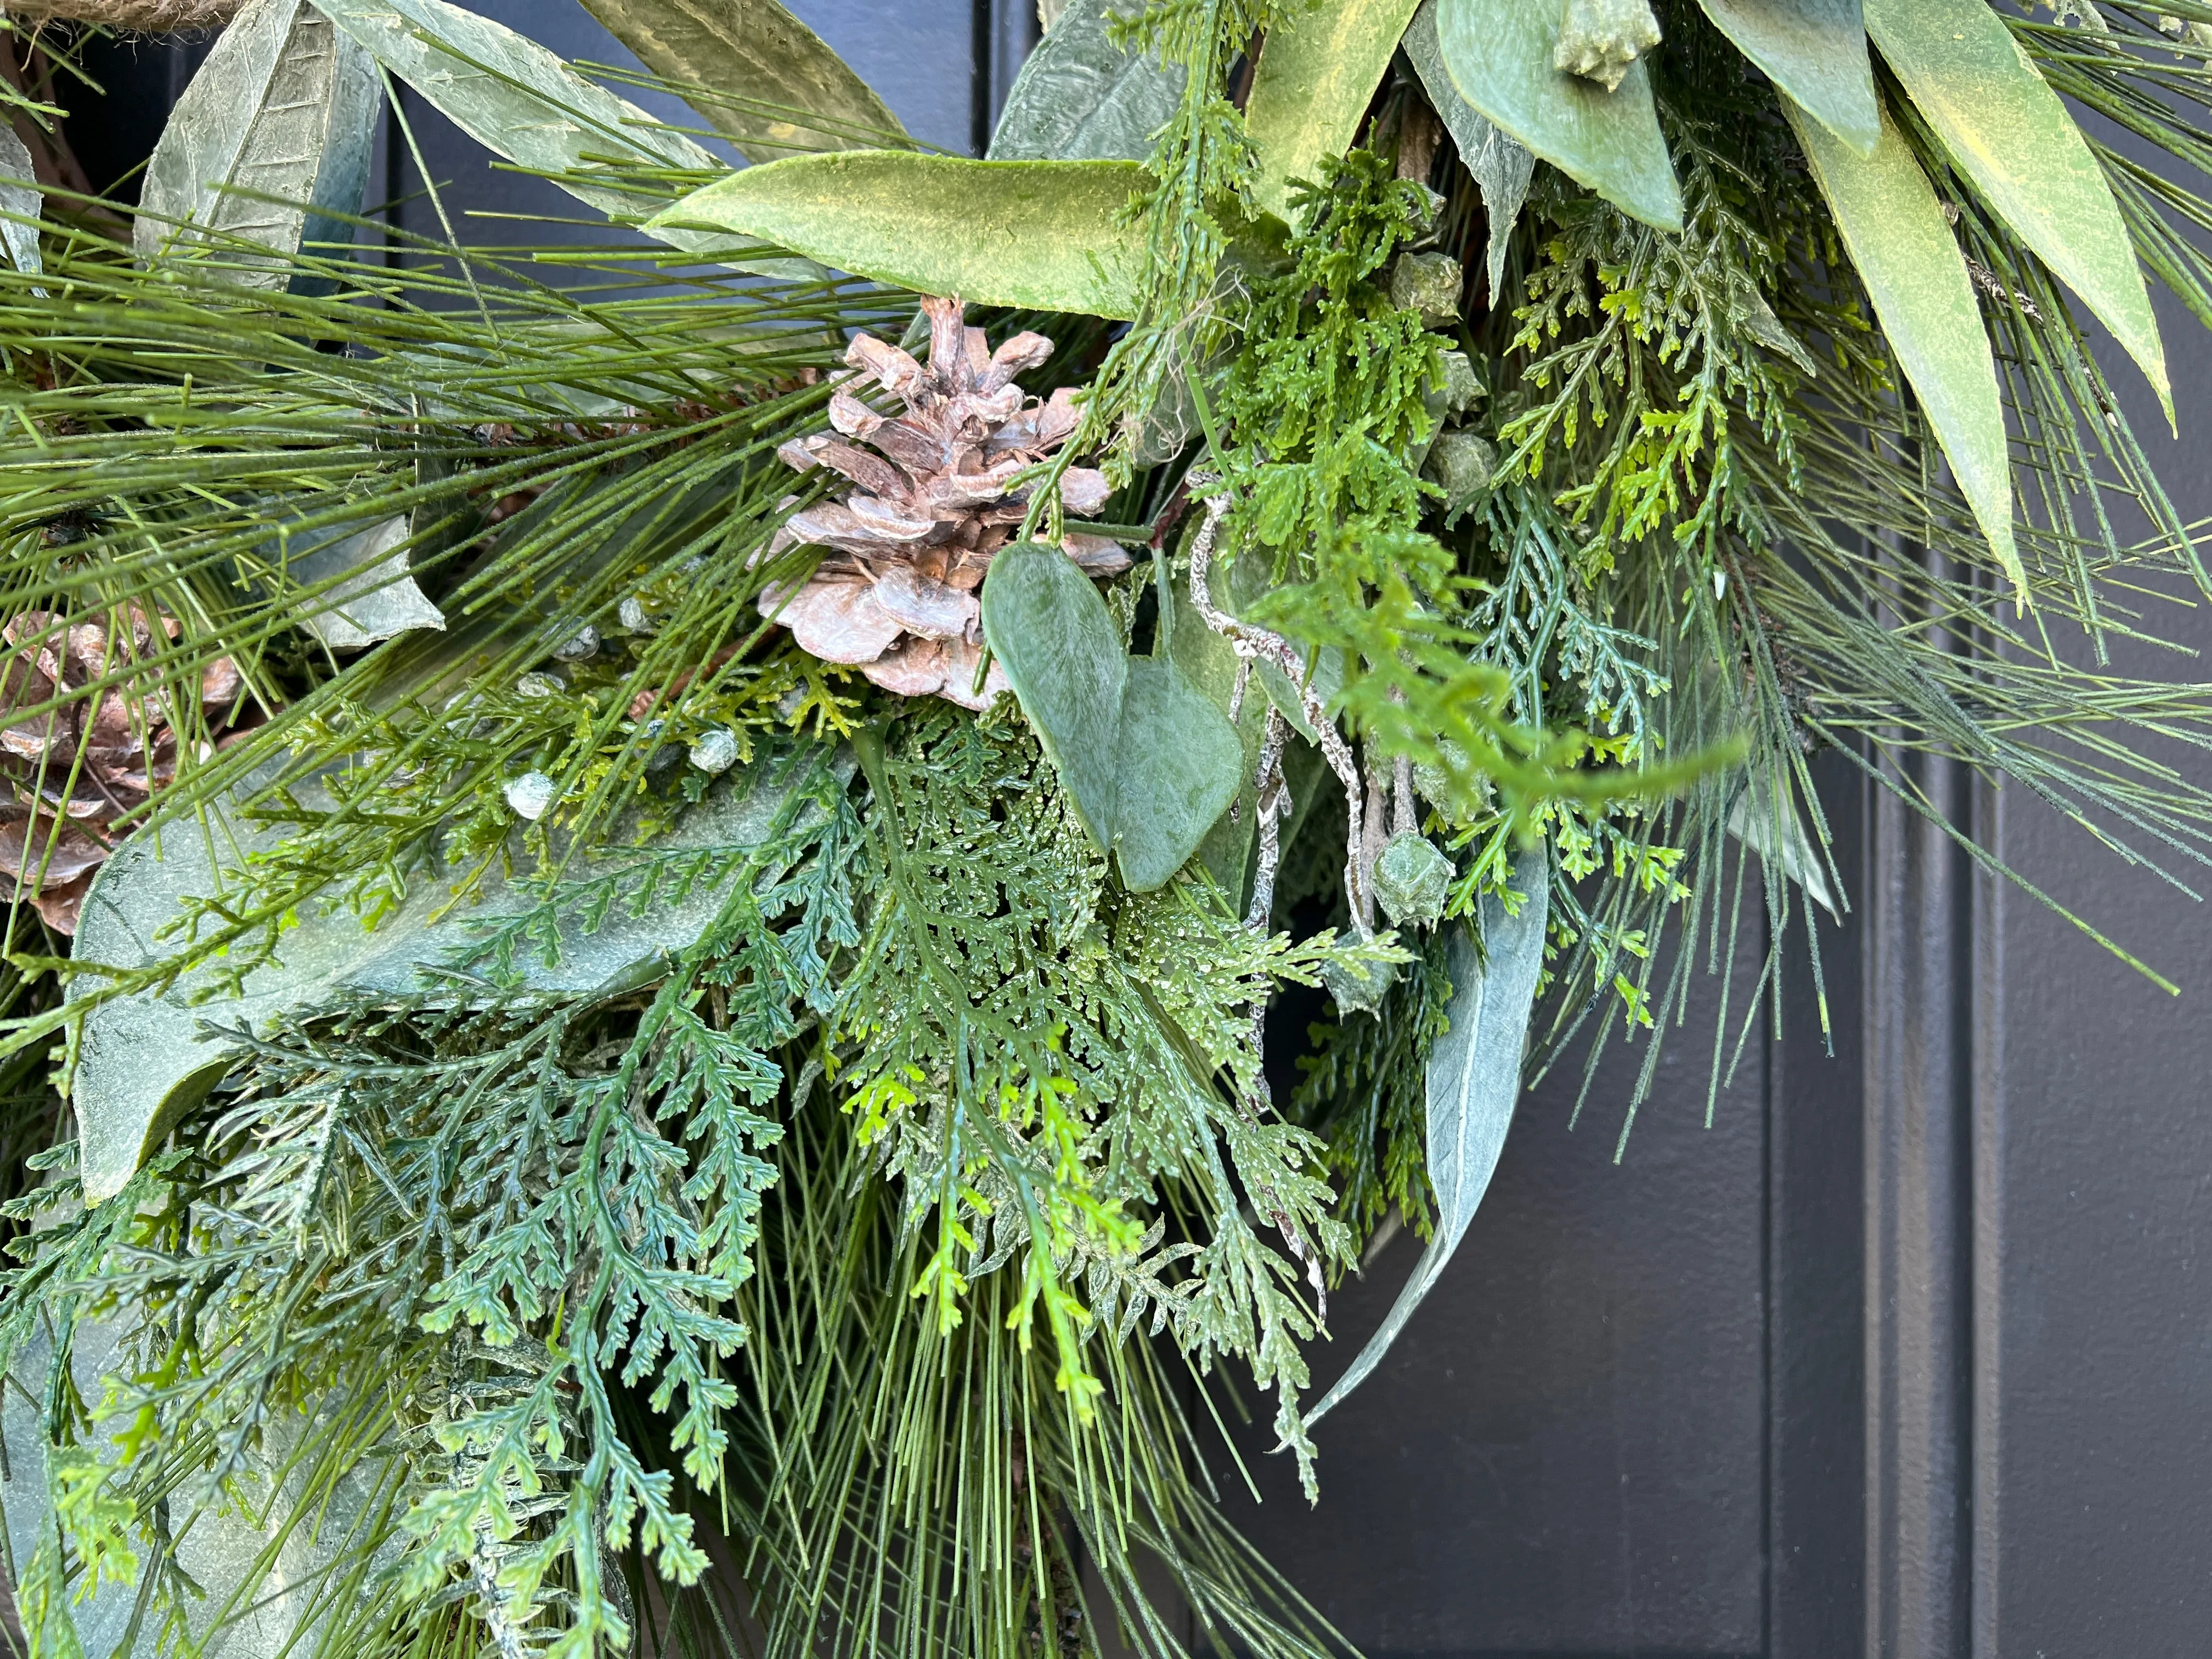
{"x": 2004, "y": 128}
{"x": 143, "y": 1064}
{"x": 1081, "y": 98}
{"x": 1148, "y": 760}
{"x": 1897, "y": 235}
{"x": 268, "y": 147}
{"x": 756, "y": 73}
{"x": 1475, "y": 1079}
{"x": 1042, "y": 235}
{"x": 1816, "y": 52}
{"x": 1498, "y": 55}
{"x": 524, "y": 104}
{"x": 1316, "y": 76}
{"x": 1501, "y": 164}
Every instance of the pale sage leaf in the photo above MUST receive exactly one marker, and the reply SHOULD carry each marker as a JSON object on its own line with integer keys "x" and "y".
{"x": 1501, "y": 164}
{"x": 1178, "y": 764}
{"x": 1080, "y": 98}
{"x": 1816, "y": 52}
{"x": 21, "y": 203}
{"x": 1498, "y": 55}
{"x": 756, "y": 74}
{"x": 268, "y": 148}
{"x": 144, "y": 1064}
{"x": 1475, "y": 1079}
{"x": 371, "y": 594}
{"x": 1770, "y": 825}
{"x": 1051, "y": 632}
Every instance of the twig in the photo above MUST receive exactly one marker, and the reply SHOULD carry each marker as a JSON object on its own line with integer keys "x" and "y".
{"x": 1259, "y": 644}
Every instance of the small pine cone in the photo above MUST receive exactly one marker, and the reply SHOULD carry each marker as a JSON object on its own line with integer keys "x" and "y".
{"x": 1600, "y": 38}
{"x": 71, "y": 771}
{"x": 932, "y": 502}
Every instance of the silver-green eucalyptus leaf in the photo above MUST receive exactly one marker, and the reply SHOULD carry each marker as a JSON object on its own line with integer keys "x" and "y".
{"x": 371, "y": 594}
{"x": 22, "y": 203}
{"x": 1081, "y": 98}
{"x": 263, "y": 1594}
{"x": 1148, "y": 759}
{"x": 268, "y": 148}
{"x": 756, "y": 73}
{"x": 522, "y": 103}
{"x": 1816, "y": 52}
{"x": 1498, "y": 54}
{"x": 1473, "y": 1081}
{"x": 145, "y": 1062}
{"x": 1501, "y": 164}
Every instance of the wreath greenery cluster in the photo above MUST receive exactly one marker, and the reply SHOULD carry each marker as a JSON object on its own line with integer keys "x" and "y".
{"x": 647, "y": 868}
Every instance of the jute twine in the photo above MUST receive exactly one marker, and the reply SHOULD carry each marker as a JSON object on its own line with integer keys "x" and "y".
{"x": 152, "y": 16}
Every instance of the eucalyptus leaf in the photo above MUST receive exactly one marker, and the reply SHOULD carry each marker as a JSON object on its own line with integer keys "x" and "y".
{"x": 1051, "y": 632}
{"x": 1179, "y": 763}
{"x": 379, "y": 597}
{"x": 1501, "y": 164}
{"x": 1816, "y": 52}
{"x": 1474, "y": 1080}
{"x": 268, "y": 147}
{"x": 1778, "y": 837}
{"x": 1149, "y": 762}
{"x": 143, "y": 1063}
{"x": 1080, "y": 98}
{"x": 21, "y": 203}
{"x": 755, "y": 73}
{"x": 1210, "y": 663}
{"x": 2005, "y": 128}
{"x": 1897, "y": 236}
{"x": 1497, "y": 54}
{"x": 269, "y": 1591}
{"x": 1317, "y": 73}
{"x": 525, "y": 105}
{"x": 1039, "y": 235}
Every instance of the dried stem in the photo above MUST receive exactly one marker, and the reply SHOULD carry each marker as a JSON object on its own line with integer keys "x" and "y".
{"x": 1255, "y": 644}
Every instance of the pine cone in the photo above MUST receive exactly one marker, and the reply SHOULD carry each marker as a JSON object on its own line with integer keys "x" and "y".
{"x": 118, "y": 750}
{"x": 933, "y": 503}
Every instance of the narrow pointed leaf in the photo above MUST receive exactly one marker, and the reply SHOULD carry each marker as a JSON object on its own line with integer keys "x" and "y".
{"x": 2005, "y": 128}
{"x": 1778, "y": 836}
{"x": 279, "y": 123}
{"x": 1051, "y": 632}
{"x": 1501, "y": 164}
{"x": 755, "y": 73}
{"x": 1042, "y": 236}
{"x": 525, "y": 105}
{"x": 1316, "y": 75}
{"x": 1898, "y": 238}
{"x": 21, "y": 201}
{"x": 1816, "y": 52}
{"x": 144, "y": 1064}
{"x": 1081, "y": 98}
{"x": 1475, "y": 1079}
{"x": 1499, "y": 56}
